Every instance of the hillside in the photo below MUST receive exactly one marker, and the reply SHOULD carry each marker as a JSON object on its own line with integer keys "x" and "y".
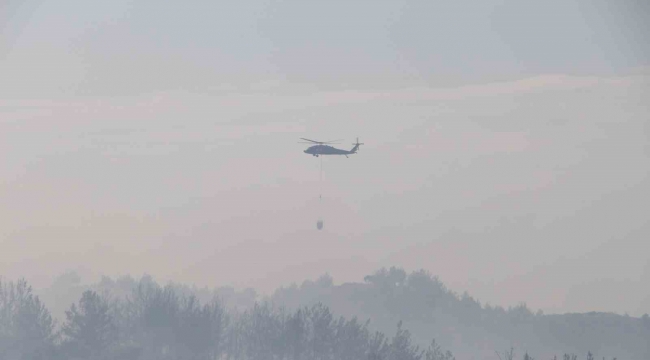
{"x": 461, "y": 323}
{"x": 425, "y": 306}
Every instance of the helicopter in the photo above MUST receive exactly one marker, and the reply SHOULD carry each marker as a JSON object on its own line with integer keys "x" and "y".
{"x": 323, "y": 148}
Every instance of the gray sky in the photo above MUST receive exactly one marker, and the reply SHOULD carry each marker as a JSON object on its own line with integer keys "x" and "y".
{"x": 507, "y": 144}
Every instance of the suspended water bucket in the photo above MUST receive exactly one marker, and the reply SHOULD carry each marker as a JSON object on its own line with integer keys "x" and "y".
{"x": 319, "y": 224}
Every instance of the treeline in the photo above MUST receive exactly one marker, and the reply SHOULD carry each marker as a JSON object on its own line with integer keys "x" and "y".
{"x": 462, "y": 323}
{"x": 140, "y": 319}
{"x": 155, "y": 322}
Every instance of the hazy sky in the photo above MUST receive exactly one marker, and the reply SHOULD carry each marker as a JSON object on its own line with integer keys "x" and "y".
{"x": 507, "y": 144}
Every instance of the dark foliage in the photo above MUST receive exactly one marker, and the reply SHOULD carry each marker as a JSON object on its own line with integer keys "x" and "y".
{"x": 155, "y": 322}
{"x": 429, "y": 309}
{"x": 147, "y": 321}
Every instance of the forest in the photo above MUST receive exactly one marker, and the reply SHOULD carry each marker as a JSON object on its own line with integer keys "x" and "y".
{"x": 141, "y": 319}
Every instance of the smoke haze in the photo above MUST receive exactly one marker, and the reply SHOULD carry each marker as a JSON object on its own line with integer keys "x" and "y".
{"x": 507, "y": 146}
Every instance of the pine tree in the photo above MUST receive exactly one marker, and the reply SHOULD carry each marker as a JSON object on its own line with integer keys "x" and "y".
{"x": 90, "y": 331}
{"x": 26, "y": 326}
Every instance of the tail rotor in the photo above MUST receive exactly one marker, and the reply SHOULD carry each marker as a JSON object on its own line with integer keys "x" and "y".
{"x": 356, "y": 146}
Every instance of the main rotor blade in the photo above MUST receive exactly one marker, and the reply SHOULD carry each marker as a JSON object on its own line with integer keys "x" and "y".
{"x": 321, "y": 142}
{"x": 313, "y": 141}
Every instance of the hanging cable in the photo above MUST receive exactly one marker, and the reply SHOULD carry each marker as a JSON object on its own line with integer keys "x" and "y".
{"x": 319, "y": 224}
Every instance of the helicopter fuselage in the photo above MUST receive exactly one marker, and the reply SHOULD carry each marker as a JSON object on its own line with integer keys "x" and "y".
{"x": 318, "y": 150}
